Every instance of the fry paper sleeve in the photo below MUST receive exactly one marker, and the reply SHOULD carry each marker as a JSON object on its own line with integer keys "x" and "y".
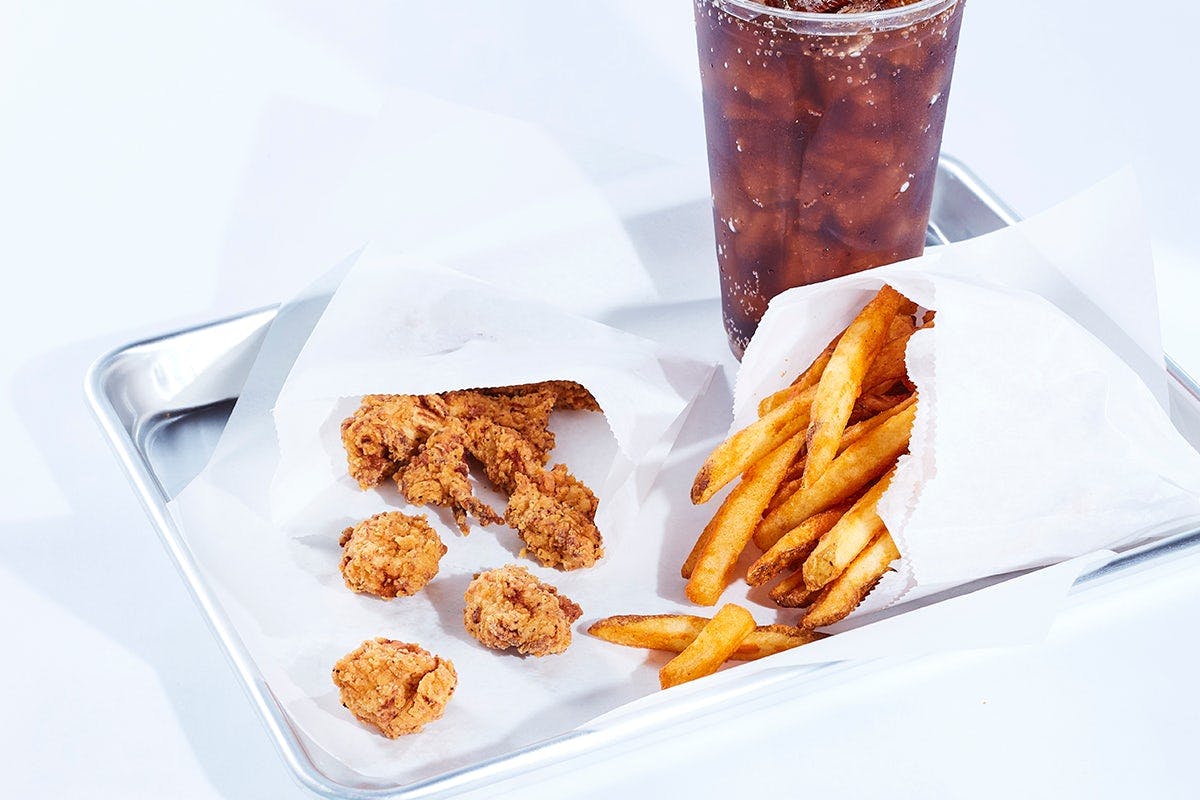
{"x": 1042, "y": 431}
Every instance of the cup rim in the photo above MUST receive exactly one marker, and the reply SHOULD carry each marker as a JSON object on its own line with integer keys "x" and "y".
{"x": 873, "y": 19}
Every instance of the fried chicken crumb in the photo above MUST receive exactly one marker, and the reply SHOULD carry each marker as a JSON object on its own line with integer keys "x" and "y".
{"x": 396, "y": 686}
{"x": 509, "y": 607}
{"x": 390, "y": 555}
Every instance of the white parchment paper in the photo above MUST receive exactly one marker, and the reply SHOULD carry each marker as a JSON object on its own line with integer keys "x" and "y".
{"x": 1042, "y": 432}
{"x": 268, "y": 510}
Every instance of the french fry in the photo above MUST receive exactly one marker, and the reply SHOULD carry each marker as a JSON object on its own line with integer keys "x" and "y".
{"x": 871, "y": 405}
{"x": 689, "y": 563}
{"x": 838, "y": 599}
{"x": 842, "y": 380}
{"x": 738, "y": 452}
{"x": 792, "y": 549}
{"x": 888, "y": 365}
{"x": 845, "y": 540}
{"x": 860, "y": 429}
{"x": 674, "y": 632}
{"x": 805, "y": 380}
{"x": 791, "y": 592}
{"x": 786, "y": 489}
{"x": 731, "y": 527}
{"x": 791, "y": 481}
{"x": 862, "y": 462}
{"x": 711, "y": 648}
{"x": 812, "y": 375}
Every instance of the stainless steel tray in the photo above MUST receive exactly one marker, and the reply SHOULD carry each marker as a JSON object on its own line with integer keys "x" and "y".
{"x": 163, "y": 402}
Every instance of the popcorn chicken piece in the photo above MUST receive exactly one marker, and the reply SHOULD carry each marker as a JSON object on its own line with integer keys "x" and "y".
{"x": 395, "y": 686}
{"x": 509, "y": 607}
{"x": 390, "y": 555}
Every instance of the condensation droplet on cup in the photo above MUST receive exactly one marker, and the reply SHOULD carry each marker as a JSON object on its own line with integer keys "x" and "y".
{"x": 935, "y": 98}
{"x": 740, "y": 145}
{"x": 904, "y": 186}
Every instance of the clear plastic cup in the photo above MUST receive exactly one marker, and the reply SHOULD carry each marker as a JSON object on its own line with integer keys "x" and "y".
{"x": 823, "y": 137}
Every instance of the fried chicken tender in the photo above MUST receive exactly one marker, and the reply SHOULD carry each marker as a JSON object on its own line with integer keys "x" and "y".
{"x": 384, "y": 433}
{"x": 422, "y": 441}
{"x": 438, "y": 475}
{"x": 568, "y": 395}
{"x": 388, "y": 430}
{"x": 527, "y": 414}
{"x": 508, "y": 607}
{"x": 507, "y": 456}
{"x": 566, "y": 489}
{"x": 555, "y": 533}
{"x": 396, "y": 686}
{"x": 390, "y": 555}
{"x": 504, "y": 453}
{"x": 552, "y": 510}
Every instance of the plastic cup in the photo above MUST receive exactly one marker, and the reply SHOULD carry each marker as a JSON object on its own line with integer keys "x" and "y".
{"x": 823, "y": 132}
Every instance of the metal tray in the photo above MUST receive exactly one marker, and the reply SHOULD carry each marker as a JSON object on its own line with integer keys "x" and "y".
{"x": 162, "y": 404}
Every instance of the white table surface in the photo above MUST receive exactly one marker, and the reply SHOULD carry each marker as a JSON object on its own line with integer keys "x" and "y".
{"x": 140, "y": 191}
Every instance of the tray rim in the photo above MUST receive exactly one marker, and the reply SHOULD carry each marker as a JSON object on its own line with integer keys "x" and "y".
{"x": 154, "y": 500}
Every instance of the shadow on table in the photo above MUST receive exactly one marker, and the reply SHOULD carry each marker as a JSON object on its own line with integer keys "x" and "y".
{"x": 102, "y": 564}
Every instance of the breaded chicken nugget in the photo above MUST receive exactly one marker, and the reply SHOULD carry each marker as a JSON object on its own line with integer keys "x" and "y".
{"x": 508, "y": 607}
{"x": 390, "y": 554}
{"x": 396, "y": 686}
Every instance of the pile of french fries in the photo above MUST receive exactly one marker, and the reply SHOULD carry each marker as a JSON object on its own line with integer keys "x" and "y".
{"x": 813, "y": 468}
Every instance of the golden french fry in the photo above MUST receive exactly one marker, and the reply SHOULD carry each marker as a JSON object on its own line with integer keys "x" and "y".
{"x": 774, "y": 401}
{"x": 674, "y": 632}
{"x": 845, "y": 540}
{"x": 889, "y": 364}
{"x": 738, "y": 452}
{"x": 791, "y": 592}
{"x": 791, "y": 481}
{"x": 862, "y": 462}
{"x": 861, "y": 429}
{"x": 786, "y": 489}
{"x": 711, "y": 648}
{"x": 871, "y": 405}
{"x": 838, "y": 599}
{"x": 735, "y": 521}
{"x": 767, "y": 640}
{"x": 689, "y": 563}
{"x": 811, "y": 376}
{"x": 805, "y": 380}
{"x": 791, "y": 550}
{"x": 842, "y": 380}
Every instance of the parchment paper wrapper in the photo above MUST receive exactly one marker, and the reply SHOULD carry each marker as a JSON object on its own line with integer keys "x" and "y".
{"x": 1041, "y": 432}
{"x": 267, "y": 512}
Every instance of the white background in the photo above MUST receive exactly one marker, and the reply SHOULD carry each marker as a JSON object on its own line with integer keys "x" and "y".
{"x": 149, "y": 179}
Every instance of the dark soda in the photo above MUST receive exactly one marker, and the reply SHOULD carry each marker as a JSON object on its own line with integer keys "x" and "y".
{"x": 824, "y": 122}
